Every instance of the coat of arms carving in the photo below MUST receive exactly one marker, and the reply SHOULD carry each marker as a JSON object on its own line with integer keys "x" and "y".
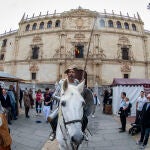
{"x": 126, "y": 67}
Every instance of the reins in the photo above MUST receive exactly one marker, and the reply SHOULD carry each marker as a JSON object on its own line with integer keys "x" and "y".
{"x": 64, "y": 131}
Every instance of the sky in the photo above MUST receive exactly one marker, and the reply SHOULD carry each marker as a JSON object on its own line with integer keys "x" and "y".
{"x": 11, "y": 11}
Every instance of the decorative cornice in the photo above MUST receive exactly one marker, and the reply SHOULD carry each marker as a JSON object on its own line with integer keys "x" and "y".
{"x": 79, "y": 13}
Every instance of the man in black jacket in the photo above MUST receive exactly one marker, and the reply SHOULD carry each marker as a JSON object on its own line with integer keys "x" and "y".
{"x": 145, "y": 124}
{"x": 5, "y": 101}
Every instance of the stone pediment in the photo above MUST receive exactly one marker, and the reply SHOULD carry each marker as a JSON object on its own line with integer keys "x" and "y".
{"x": 79, "y": 12}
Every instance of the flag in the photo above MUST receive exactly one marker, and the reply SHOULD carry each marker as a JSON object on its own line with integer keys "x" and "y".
{"x": 77, "y": 52}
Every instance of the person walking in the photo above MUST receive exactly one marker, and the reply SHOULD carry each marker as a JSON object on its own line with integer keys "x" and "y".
{"x": 20, "y": 98}
{"x": 11, "y": 94}
{"x": 30, "y": 92}
{"x": 105, "y": 100}
{"x": 145, "y": 124}
{"x": 38, "y": 104}
{"x": 96, "y": 102}
{"x": 47, "y": 103}
{"x": 27, "y": 103}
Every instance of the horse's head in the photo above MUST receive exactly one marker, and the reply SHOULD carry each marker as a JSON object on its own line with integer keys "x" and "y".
{"x": 72, "y": 109}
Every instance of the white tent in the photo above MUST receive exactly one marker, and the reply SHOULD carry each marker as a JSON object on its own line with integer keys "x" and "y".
{"x": 132, "y": 87}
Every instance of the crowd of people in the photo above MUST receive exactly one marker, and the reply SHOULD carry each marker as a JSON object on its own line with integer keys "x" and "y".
{"x": 142, "y": 116}
{"x": 42, "y": 101}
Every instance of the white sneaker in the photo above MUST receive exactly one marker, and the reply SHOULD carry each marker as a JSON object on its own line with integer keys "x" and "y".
{"x": 93, "y": 116}
{"x": 85, "y": 137}
{"x": 52, "y": 136}
{"x": 143, "y": 146}
{"x": 138, "y": 143}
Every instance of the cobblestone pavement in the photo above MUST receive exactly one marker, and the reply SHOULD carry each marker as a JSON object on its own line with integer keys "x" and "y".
{"x": 29, "y": 135}
{"x": 105, "y": 135}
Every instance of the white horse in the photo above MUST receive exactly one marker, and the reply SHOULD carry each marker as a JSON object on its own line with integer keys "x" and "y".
{"x": 69, "y": 134}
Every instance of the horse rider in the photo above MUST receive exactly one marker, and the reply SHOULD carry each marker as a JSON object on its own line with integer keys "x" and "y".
{"x": 5, "y": 138}
{"x": 70, "y": 72}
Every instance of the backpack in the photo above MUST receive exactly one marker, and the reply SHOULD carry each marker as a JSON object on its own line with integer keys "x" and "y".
{"x": 128, "y": 110}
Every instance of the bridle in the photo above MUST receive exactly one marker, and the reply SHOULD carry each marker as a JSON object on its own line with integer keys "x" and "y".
{"x": 72, "y": 121}
{"x": 66, "y": 136}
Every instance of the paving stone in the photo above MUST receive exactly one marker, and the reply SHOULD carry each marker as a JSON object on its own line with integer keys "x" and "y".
{"x": 29, "y": 135}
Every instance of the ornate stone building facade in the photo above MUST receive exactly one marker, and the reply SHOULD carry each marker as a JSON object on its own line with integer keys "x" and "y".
{"x": 45, "y": 45}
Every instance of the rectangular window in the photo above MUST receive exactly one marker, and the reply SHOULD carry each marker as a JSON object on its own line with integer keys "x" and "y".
{"x": 35, "y": 52}
{"x": 4, "y": 43}
{"x": 126, "y": 76}
{"x": 33, "y": 76}
{"x": 125, "y": 53}
{"x": 2, "y": 57}
{"x": 79, "y": 49}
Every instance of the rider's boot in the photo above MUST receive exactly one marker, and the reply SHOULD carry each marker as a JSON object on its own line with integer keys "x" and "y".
{"x": 52, "y": 136}
{"x": 85, "y": 136}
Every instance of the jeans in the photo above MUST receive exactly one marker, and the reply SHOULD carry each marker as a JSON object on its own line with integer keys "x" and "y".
{"x": 144, "y": 135}
{"x": 27, "y": 111}
{"x": 38, "y": 107}
{"x": 138, "y": 117}
{"x": 123, "y": 121}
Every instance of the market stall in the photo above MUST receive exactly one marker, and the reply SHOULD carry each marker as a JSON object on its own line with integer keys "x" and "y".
{"x": 132, "y": 87}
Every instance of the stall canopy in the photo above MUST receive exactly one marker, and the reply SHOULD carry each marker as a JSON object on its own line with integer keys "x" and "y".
{"x": 8, "y": 77}
{"x": 132, "y": 87}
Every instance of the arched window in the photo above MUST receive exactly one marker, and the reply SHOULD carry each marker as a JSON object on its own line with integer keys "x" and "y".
{"x": 34, "y": 26}
{"x": 57, "y": 24}
{"x": 41, "y": 25}
{"x": 119, "y": 25}
{"x": 102, "y": 23}
{"x": 110, "y": 24}
{"x": 133, "y": 27}
{"x": 49, "y": 24}
{"x": 35, "y": 52}
{"x": 27, "y": 27}
{"x": 126, "y": 25}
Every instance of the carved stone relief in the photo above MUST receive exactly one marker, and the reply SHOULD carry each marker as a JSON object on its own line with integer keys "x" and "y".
{"x": 79, "y": 12}
{"x": 34, "y": 68}
{"x": 126, "y": 67}
{"x": 37, "y": 39}
{"x": 99, "y": 53}
{"x": 124, "y": 42}
{"x": 79, "y": 23}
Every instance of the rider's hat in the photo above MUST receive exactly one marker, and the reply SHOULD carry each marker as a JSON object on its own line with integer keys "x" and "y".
{"x": 73, "y": 67}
